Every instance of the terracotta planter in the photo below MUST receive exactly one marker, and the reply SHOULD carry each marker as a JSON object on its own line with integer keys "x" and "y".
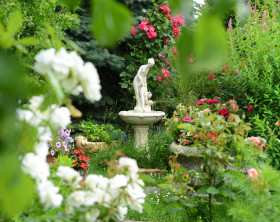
{"x": 51, "y": 159}
{"x": 90, "y": 147}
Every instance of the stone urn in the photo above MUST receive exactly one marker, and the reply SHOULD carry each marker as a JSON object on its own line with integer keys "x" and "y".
{"x": 91, "y": 147}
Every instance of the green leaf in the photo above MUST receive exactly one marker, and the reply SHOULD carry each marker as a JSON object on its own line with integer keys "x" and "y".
{"x": 71, "y": 4}
{"x": 174, "y": 210}
{"x": 57, "y": 88}
{"x": 111, "y": 21}
{"x": 212, "y": 190}
{"x": 202, "y": 190}
{"x": 16, "y": 188}
{"x": 6, "y": 41}
{"x": 181, "y": 126}
{"x": 147, "y": 179}
{"x": 27, "y": 41}
{"x": 172, "y": 199}
{"x": 14, "y": 23}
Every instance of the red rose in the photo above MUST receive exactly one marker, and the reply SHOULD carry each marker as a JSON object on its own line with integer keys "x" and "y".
{"x": 75, "y": 163}
{"x": 159, "y": 78}
{"x": 165, "y": 42}
{"x": 76, "y": 151}
{"x": 87, "y": 158}
{"x": 84, "y": 166}
{"x": 199, "y": 102}
{"x": 249, "y": 108}
{"x": 133, "y": 31}
{"x": 224, "y": 112}
{"x": 211, "y": 76}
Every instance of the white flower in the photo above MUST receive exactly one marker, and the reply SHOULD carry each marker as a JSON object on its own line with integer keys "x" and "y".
{"x": 94, "y": 182}
{"x": 92, "y": 215}
{"x": 118, "y": 181}
{"x": 122, "y": 211}
{"x": 33, "y": 118}
{"x": 44, "y": 133}
{"x": 90, "y": 82}
{"x": 36, "y": 166}
{"x": 82, "y": 198}
{"x": 35, "y": 102}
{"x": 60, "y": 117}
{"x": 43, "y": 61}
{"x": 68, "y": 174}
{"x": 130, "y": 164}
{"x": 41, "y": 149}
{"x": 61, "y": 64}
{"x": 136, "y": 197}
{"x": 49, "y": 194}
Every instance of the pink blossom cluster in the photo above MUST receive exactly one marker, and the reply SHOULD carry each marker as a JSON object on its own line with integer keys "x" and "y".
{"x": 150, "y": 30}
{"x": 165, "y": 10}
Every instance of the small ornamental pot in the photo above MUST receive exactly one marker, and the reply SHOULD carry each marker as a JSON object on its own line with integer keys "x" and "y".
{"x": 51, "y": 159}
{"x": 91, "y": 147}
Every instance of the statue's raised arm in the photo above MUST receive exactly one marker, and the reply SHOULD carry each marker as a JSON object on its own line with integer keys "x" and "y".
{"x": 140, "y": 88}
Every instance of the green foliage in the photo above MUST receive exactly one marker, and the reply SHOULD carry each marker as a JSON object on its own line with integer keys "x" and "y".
{"x": 111, "y": 21}
{"x": 100, "y": 133}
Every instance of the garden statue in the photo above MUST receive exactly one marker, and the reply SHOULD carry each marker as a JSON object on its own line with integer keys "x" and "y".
{"x": 143, "y": 104}
{"x": 142, "y": 116}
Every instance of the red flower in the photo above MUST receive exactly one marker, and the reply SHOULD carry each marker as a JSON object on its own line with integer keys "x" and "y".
{"x": 151, "y": 35}
{"x": 166, "y": 73}
{"x": 245, "y": 63}
{"x": 133, "y": 31}
{"x": 226, "y": 69}
{"x": 165, "y": 42}
{"x": 224, "y": 112}
{"x": 176, "y": 31}
{"x": 179, "y": 19}
{"x": 87, "y": 158}
{"x": 199, "y": 102}
{"x": 169, "y": 16}
{"x": 249, "y": 108}
{"x": 164, "y": 8}
{"x": 159, "y": 78}
{"x": 84, "y": 166}
{"x": 143, "y": 25}
{"x": 167, "y": 63}
{"x": 81, "y": 151}
{"x": 190, "y": 59}
{"x": 160, "y": 56}
{"x": 277, "y": 123}
{"x": 151, "y": 28}
{"x": 76, "y": 151}
{"x": 212, "y": 101}
{"x": 211, "y": 76}
{"x": 75, "y": 163}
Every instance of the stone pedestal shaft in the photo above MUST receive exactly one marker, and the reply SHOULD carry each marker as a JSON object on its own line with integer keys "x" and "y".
{"x": 141, "y": 135}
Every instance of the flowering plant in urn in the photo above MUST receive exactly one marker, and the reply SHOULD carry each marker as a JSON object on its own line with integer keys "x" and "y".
{"x": 82, "y": 162}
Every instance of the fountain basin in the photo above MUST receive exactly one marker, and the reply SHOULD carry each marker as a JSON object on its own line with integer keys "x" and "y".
{"x": 143, "y": 118}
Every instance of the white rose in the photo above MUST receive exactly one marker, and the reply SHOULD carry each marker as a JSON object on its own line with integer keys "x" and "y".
{"x": 92, "y": 215}
{"x": 61, "y": 64}
{"x": 41, "y": 149}
{"x": 36, "y": 166}
{"x": 93, "y": 182}
{"x": 35, "y": 102}
{"x": 77, "y": 198}
{"x": 120, "y": 214}
{"x": 68, "y": 174}
{"x": 130, "y": 164}
{"x": 90, "y": 82}
{"x": 118, "y": 181}
{"x": 49, "y": 194}
{"x": 43, "y": 61}
{"x": 136, "y": 197}
{"x": 44, "y": 133}
{"x": 60, "y": 117}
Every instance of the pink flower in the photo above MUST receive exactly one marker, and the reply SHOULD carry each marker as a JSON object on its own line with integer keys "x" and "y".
{"x": 167, "y": 63}
{"x": 176, "y": 31}
{"x": 175, "y": 52}
{"x": 187, "y": 119}
{"x": 151, "y": 28}
{"x": 143, "y": 25}
{"x": 249, "y": 108}
{"x": 169, "y": 16}
{"x": 166, "y": 73}
{"x": 277, "y": 123}
{"x": 179, "y": 19}
{"x": 159, "y": 78}
{"x": 199, "y": 102}
{"x": 258, "y": 141}
{"x": 133, "y": 31}
{"x": 205, "y": 111}
{"x": 253, "y": 173}
{"x": 151, "y": 35}
{"x": 224, "y": 112}
{"x": 165, "y": 42}
{"x": 211, "y": 76}
{"x": 164, "y": 8}
{"x": 160, "y": 56}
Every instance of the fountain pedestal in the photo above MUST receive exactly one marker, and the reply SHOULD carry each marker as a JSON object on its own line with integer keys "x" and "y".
{"x": 141, "y": 123}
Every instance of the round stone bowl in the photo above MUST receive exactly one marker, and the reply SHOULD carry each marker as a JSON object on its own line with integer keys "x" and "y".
{"x": 137, "y": 118}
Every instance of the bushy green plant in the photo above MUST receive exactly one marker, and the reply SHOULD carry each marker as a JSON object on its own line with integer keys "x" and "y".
{"x": 100, "y": 133}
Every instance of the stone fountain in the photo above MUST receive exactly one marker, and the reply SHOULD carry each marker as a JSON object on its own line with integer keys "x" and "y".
{"x": 142, "y": 116}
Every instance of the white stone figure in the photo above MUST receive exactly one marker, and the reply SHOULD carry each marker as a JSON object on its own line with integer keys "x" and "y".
{"x": 143, "y": 104}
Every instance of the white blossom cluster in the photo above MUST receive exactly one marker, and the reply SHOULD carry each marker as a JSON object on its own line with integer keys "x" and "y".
{"x": 74, "y": 75}
{"x": 35, "y": 163}
{"x": 113, "y": 195}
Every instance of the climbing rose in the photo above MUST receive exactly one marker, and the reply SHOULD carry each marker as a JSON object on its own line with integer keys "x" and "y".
{"x": 151, "y": 35}
{"x": 249, "y": 108}
{"x": 211, "y": 76}
{"x": 151, "y": 28}
{"x": 253, "y": 173}
{"x": 167, "y": 63}
{"x": 133, "y": 30}
{"x": 164, "y": 8}
{"x": 160, "y": 56}
{"x": 165, "y": 42}
{"x": 166, "y": 73}
{"x": 179, "y": 19}
{"x": 199, "y": 102}
{"x": 159, "y": 78}
{"x": 224, "y": 112}
{"x": 176, "y": 31}
{"x": 143, "y": 25}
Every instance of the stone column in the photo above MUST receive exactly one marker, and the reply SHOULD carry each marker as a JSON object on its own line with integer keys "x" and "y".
{"x": 141, "y": 135}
